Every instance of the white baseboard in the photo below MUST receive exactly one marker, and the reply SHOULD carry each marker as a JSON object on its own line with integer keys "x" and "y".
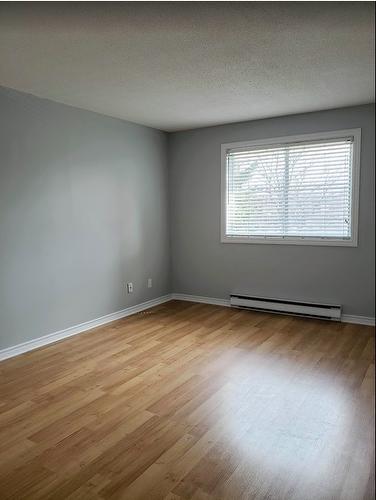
{"x": 30, "y": 345}
{"x": 203, "y": 300}
{"x": 358, "y": 320}
{"x": 346, "y": 318}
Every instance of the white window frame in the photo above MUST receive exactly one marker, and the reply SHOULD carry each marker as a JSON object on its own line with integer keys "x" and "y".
{"x": 293, "y": 240}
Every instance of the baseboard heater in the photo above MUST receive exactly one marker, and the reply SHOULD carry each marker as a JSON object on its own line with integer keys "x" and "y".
{"x": 283, "y": 306}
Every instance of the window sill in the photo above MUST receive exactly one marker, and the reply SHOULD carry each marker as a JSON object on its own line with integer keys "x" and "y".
{"x": 290, "y": 241}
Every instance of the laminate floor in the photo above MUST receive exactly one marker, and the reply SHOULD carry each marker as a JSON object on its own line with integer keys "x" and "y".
{"x": 192, "y": 401}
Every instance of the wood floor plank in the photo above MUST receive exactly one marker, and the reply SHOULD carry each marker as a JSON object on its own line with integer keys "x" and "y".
{"x": 192, "y": 401}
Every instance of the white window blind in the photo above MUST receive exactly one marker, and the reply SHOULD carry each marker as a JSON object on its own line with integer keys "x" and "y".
{"x": 290, "y": 190}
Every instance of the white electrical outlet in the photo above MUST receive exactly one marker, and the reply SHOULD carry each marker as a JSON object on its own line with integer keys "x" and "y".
{"x": 150, "y": 283}
{"x": 130, "y": 287}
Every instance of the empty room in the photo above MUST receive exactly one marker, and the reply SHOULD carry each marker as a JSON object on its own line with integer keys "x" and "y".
{"x": 187, "y": 250}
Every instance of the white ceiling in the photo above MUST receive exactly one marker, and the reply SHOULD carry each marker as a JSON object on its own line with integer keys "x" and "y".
{"x": 180, "y": 65}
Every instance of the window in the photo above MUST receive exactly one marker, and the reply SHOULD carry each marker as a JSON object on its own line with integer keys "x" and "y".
{"x": 294, "y": 190}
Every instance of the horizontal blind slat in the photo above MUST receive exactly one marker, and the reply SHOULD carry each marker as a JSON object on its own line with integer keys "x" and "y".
{"x": 299, "y": 188}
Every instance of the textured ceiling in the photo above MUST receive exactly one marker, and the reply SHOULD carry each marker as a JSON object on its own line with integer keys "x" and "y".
{"x": 180, "y": 65}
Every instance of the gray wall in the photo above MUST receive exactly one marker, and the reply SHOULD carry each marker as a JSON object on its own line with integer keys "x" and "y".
{"x": 86, "y": 204}
{"x": 83, "y": 209}
{"x": 201, "y": 265}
